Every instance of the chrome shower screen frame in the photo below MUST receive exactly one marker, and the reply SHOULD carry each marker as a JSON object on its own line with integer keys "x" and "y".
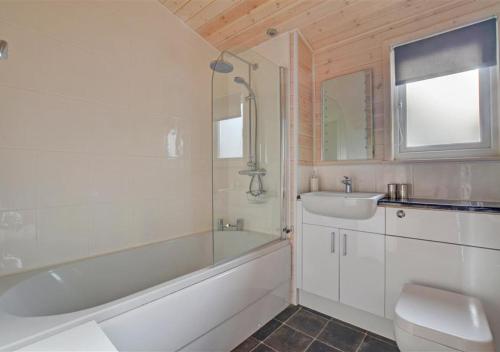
{"x": 269, "y": 81}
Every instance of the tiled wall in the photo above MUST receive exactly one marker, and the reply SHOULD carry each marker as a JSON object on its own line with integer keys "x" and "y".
{"x": 477, "y": 180}
{"x": 104, "y": 108}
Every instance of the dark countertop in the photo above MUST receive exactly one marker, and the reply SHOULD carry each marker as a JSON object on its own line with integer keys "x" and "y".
{"x": 445, "y": 204}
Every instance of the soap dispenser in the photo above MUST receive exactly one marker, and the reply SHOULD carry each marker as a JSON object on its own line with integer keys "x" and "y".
{"x": 314, "y": 182}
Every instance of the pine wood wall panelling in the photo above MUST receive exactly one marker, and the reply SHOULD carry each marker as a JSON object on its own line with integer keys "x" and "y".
{"x": 341, "y": 22}
{"x": 347, "y": 57}
{"x": 295, "y": 18}
{"x": 292, "y": 129}
{"x": 346, "y": 35}
{"x": 191, "y": 8}
{"x": 174, "y": 5}
{"x": 237, "y": 27}
{"x": 304, "y": 67}
{"x": 228, "y": 16}
{"x": 210, "y": 12}
{"x": 375, "y": 19}
{"x": 284, "y": 20}
{"x": 241, "y": 24}
{"x": 376, "y": 27}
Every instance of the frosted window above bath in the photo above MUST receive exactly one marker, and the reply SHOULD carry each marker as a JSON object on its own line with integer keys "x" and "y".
{"x": 230, "y": 138}
{"x": 443, "y": 94}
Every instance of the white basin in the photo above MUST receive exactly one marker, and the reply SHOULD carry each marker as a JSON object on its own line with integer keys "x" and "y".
{"x": 354, "y": 205}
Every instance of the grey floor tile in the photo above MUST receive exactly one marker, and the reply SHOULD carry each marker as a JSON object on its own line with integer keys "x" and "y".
{"x": 286, "y": 339}
{"x": 371, "y": 344}
{"x": 317, "y": 346}
{"x": 287, "y": 313}
{"x": 266, "y": 330}
{"x": 307, "y": 322}
{"x": 262, "y": 348}
{"x": 341, "y": 336}
{"x": 382, "y": 338}
{"x": 316, "y": 312}
{"x": 247, "y": 345}
{"x": 349, "y": 325}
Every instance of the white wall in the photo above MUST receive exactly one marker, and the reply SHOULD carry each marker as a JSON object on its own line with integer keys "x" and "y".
{"x": 89, "y": 96}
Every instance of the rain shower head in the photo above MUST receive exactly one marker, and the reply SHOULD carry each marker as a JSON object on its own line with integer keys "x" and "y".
{"x": 221, "y": 66}
{"x": 241, "y": 80}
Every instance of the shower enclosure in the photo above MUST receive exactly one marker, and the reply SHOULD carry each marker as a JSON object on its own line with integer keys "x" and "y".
{"x": 248, "y": 153}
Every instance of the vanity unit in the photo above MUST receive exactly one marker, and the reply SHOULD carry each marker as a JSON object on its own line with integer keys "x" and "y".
{"x": 355, "y": 269}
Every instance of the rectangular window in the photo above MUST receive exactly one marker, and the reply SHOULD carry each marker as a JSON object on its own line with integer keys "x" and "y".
{"x": 230, "y": 138}
{"x": 443, "y": 94}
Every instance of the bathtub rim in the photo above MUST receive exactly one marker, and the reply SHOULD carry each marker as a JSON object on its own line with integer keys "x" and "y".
{"x": 36, "y": 328}
{"x": 21, "y": 277}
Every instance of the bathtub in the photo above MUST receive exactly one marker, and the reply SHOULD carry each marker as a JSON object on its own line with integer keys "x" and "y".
{"x": 167, "y": 296}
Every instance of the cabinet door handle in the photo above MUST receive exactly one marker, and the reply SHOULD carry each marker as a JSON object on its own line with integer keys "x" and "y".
{"x": 345, "y": 244}
{"x": 332, "y": 246}
{"x": 400, "y": 214}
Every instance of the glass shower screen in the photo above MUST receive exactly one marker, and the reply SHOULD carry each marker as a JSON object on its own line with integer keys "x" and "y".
{"x": 247, "y": 153}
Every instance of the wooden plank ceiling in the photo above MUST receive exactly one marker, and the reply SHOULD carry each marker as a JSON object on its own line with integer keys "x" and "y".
{"x": 241, "y": 24}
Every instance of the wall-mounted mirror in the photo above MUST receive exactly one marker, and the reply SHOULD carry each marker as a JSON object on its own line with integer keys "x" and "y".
{"x": 347, "y": 117}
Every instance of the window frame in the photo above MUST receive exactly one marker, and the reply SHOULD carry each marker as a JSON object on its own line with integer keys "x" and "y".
{"x": 487, "y": 148}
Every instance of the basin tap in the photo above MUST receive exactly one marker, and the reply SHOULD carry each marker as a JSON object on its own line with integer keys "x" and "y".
{"x": 347, "y": 181}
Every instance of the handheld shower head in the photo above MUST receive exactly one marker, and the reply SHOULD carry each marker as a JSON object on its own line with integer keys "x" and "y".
{"x": 241, "y": 80}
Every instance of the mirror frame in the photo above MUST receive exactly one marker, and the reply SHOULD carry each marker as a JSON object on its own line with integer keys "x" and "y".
{"x": 371, "y": 123}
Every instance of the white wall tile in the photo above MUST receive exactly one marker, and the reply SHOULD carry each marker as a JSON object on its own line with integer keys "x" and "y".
{"x": 18, "y": 241}
{"x": 366, "y": 177}
{"x": 441, "y": 180}
{"x": 18, "y": 179}
{"x": 398, "y": 173}
{"x": 63, "y": 179}
{"x": 45, "y": 121}
{"x": 114, "y": 227}
{"x": 476, "y": 180}
{"x": 88, "y": 97}
{"x": 110, "y": 178}
{"x": 484, "y": 181}
{"x": 64, "y": 234}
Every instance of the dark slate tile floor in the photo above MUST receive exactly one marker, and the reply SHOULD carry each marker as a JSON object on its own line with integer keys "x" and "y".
{"x": 300, "y": 329}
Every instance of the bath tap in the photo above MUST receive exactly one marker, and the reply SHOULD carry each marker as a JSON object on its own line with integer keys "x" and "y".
{"x": 347, "y": 181}
{"x": 228, "y": 227}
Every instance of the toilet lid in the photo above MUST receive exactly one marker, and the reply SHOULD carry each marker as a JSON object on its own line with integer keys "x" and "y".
{"x": 444, "y": 317}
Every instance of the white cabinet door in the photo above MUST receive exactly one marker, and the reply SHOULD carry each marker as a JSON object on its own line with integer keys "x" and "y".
{"x": 427, "y": 263}
{"x": 362, "y": 277}
{"x": 320, "y": 261}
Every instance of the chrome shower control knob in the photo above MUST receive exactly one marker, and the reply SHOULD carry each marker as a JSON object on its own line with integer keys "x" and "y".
{"x": 400, "y": 214}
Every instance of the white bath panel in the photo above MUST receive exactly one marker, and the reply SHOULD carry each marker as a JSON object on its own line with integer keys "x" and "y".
{"x": 174, "y": 321}
{"x": 85, "y": 337}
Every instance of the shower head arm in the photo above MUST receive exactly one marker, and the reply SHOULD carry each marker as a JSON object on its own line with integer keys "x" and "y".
{"x": 254, "y": 66}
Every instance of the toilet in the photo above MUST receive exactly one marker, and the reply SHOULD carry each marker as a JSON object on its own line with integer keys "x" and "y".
{"x": 432, "y": 320}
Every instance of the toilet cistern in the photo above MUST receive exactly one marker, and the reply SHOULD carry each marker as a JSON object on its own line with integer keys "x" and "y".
{"x": 347, "y": 181}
